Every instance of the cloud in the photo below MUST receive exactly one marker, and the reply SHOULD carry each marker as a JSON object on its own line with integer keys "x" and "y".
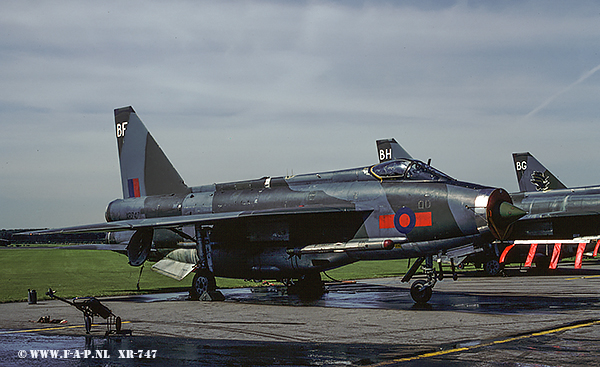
{"x": 238, "y": 90}
{"x": 563, "y": 91}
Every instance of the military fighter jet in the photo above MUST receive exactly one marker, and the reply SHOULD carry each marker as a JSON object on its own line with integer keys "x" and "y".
{"x": 292, "y": 228}
{"x": 561, "y": 221}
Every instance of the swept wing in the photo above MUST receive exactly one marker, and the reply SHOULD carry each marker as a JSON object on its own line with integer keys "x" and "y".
{"x": 183, "y": 220}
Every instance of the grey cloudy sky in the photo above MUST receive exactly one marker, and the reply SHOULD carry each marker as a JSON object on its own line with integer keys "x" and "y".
{"x": 235, "y": 90}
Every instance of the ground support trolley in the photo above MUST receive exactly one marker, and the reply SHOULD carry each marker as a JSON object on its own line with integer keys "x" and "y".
{"x": 90, "y": 306}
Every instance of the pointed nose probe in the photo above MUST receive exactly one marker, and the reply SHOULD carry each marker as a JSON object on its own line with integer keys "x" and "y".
{"x": 510, "y": 212}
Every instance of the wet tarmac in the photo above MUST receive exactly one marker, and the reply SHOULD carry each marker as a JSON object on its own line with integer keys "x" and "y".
{"x": 519, "y": 320}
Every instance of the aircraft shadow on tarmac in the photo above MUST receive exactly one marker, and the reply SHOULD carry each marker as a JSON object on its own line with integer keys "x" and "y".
{"x": 365, "y": 295}
{"x": 370, "y": 294}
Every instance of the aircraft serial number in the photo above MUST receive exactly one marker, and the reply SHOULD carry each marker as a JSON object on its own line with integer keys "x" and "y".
{"x": 133, "y": 215}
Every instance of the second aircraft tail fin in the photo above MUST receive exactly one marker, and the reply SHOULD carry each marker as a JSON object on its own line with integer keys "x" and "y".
{"x": 389, "y": 149}
{"x": 145, "y": 169}
{"x": 533, "y": 176}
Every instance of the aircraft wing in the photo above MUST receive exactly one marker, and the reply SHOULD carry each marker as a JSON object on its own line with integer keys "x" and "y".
{"x": 182, "y": 220}
{"x": 88, "y": 246}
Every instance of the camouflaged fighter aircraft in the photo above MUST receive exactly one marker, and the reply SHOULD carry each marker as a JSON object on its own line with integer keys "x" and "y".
{"x": 561, "y": 221}
{"x": 292, "y": 228}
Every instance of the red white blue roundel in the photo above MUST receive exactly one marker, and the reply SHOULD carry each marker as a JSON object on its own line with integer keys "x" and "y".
{"x": 405, "y": 220}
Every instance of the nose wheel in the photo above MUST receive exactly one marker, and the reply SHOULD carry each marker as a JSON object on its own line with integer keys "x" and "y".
{"x": 421, "y": 292}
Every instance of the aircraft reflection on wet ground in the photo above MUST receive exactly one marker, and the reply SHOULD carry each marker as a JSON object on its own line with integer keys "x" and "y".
{"x": 382, "y": 295}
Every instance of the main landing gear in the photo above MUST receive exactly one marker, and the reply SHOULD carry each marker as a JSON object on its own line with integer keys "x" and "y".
{"x": 421, "y": 290}
{"x": 204, "y": 285}
{"x": 308, "y": 287}
{"x": 203, "y": 282}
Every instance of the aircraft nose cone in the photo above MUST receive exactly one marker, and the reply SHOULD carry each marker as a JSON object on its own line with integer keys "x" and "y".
{"x": 511, "y": 212}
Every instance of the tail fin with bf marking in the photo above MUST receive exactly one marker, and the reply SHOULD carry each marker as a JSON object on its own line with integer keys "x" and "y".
{"x": 145, "y": 169}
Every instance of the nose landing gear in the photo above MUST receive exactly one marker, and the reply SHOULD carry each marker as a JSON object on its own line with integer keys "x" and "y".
{"x": 421, "y": 290}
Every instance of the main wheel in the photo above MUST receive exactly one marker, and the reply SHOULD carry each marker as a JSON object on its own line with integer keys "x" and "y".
{"x": 118, "y": 323}
{"x": 419, "y": 292}
{"x": 309, "y": 287}
{"x": 542, "y": 264}
{"x": 492, "y": 267}
{"x": 203, "y": 282}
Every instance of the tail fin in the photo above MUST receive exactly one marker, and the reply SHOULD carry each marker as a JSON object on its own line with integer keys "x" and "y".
{"x": 533, "y": 176}
{"x": 145, "y": 169}
{"x": 389, "y": 149}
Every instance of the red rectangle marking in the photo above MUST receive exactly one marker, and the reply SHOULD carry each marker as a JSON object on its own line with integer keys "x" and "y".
{"x": 386, "y": 221}
{"x": 423, "y": 219}
{"x": 136, "y": 187}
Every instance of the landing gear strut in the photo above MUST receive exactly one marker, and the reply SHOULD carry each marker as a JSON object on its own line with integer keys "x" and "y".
{"x": 421, "y": 290}
{"x": 204, "y": 285}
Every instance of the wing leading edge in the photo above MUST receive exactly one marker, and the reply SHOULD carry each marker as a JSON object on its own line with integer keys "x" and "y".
{"x": 182, "y": 220}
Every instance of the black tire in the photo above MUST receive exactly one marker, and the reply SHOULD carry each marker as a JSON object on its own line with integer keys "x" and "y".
{"x": 118, "y": 323}
{"x": 419, "y": 292}
{"x": 309, "y": 287}
{"x": 202, "y": 282}
{"x": 492, "y": 267}
{"x": 542, "y": 264}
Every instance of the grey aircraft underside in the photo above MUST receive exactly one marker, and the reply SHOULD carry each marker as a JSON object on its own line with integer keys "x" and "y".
{"x": 292, "y": 228}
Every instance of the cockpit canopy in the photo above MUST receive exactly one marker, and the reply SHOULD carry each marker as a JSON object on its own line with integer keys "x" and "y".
{"x": 406, "y": 169}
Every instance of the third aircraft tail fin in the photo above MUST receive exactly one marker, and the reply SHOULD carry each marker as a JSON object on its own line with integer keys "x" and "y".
{"x": 145, "y": 169}
{"x": 532, "y": 175}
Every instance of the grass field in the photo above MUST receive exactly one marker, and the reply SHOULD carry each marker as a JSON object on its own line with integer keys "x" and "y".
{"x": 79, "y": 273}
